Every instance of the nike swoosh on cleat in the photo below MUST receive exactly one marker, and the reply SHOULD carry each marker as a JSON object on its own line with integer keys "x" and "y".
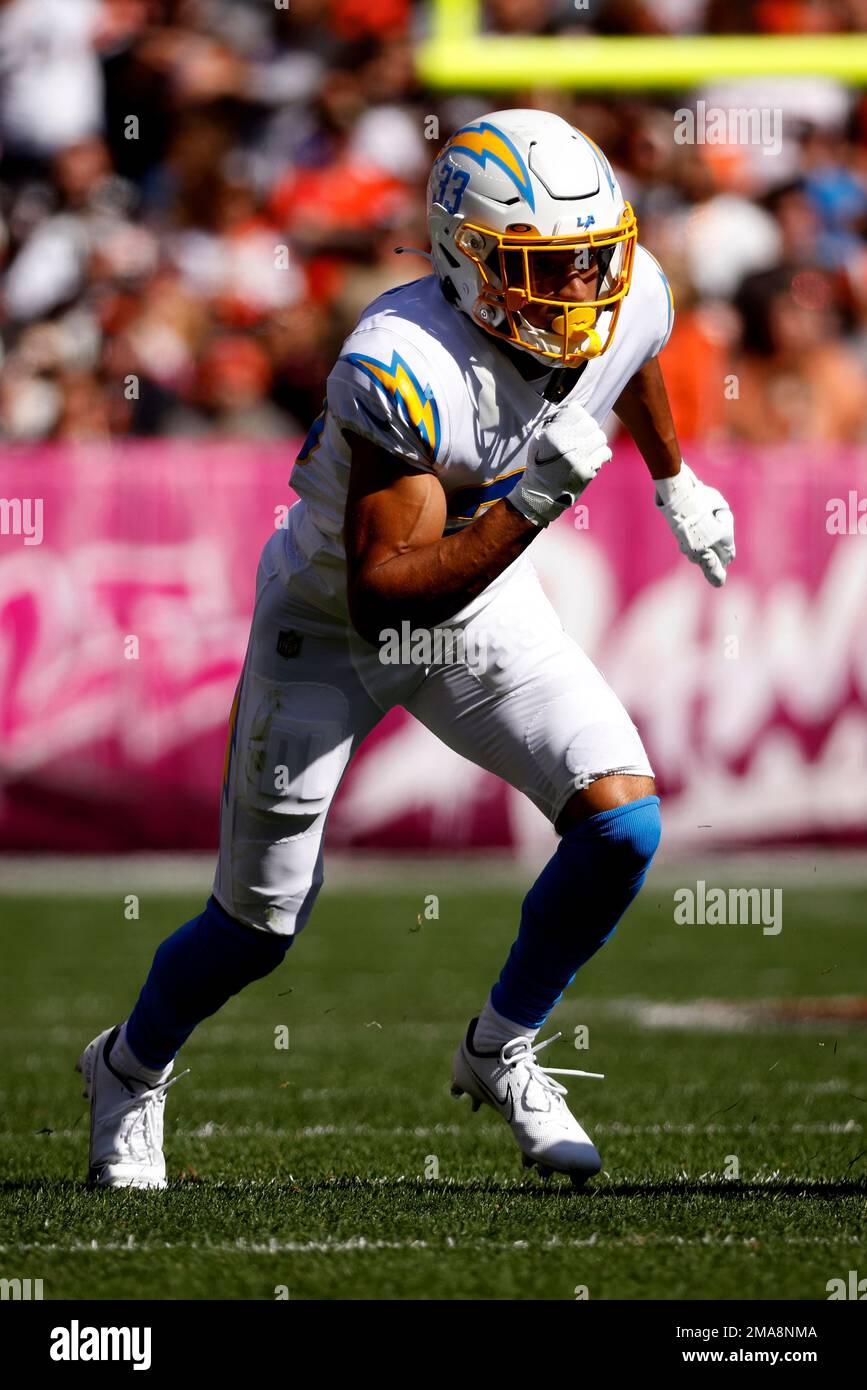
{"x": 494, "y": 1100}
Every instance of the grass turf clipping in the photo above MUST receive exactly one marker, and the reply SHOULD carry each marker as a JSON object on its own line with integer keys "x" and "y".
{"x": 732, "y": 1134}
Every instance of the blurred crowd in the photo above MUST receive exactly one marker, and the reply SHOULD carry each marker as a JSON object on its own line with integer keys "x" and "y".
{"x": 198, "y": 197}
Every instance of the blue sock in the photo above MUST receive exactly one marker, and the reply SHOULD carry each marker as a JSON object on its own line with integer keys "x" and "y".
{"x": 194, "y": 972}
{"x": 574, "y": 906}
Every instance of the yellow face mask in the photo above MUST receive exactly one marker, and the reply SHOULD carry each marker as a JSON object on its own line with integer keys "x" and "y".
{"x": 519, "y": 268}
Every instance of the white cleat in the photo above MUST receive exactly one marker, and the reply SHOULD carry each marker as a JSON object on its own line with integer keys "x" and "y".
{"x": 126, "y": 1121}
{"x": 513, "y": 1083}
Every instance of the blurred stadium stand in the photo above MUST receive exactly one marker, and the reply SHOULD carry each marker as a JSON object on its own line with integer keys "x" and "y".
{"x": 148, "y": 249}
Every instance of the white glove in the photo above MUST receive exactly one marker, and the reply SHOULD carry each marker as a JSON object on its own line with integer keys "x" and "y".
{"x": 566, "y": 452}
{"x": 701, "y": 520}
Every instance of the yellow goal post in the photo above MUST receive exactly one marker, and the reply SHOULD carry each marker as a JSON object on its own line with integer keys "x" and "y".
{"x": 456, "y": 55}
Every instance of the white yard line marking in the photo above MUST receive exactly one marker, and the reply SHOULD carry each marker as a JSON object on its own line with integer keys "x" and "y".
{"x": 366, "y": 1245}
{"x": 213, "y": 1130}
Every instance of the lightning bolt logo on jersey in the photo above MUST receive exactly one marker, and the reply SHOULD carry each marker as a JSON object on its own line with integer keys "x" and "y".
{"x": 400, "y": 385}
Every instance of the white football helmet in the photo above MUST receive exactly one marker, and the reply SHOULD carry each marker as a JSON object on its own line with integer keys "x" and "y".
{"x": 516, "y": 200}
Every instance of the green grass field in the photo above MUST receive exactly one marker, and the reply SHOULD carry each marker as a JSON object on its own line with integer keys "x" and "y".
{"x": 310, "y": 1167}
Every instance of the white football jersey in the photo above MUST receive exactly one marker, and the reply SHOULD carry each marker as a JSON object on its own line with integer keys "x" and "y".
{"x": 420, "y": 379}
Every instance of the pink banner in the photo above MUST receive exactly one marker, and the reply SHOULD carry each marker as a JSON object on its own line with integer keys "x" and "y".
{"x": 126, "y": 584}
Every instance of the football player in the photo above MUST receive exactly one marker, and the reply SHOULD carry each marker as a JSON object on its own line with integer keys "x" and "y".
{"x": 462, "y": 418}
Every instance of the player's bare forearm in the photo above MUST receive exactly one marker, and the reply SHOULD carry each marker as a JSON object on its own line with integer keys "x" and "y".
{"x": 644, "y": 409}
{"x": 400, "y": 565}
{"x": 430, "y": 583}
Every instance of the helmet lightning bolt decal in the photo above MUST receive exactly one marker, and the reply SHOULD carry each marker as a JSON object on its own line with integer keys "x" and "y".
{"x": 483, "y": 142}
{"x": 415, "y": 402}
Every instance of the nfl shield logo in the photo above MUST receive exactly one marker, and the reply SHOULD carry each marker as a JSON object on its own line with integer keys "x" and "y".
{"x": 289, "y": 643}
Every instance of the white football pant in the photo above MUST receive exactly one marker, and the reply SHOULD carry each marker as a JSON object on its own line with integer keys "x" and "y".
{"x": 507, "y": 688}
